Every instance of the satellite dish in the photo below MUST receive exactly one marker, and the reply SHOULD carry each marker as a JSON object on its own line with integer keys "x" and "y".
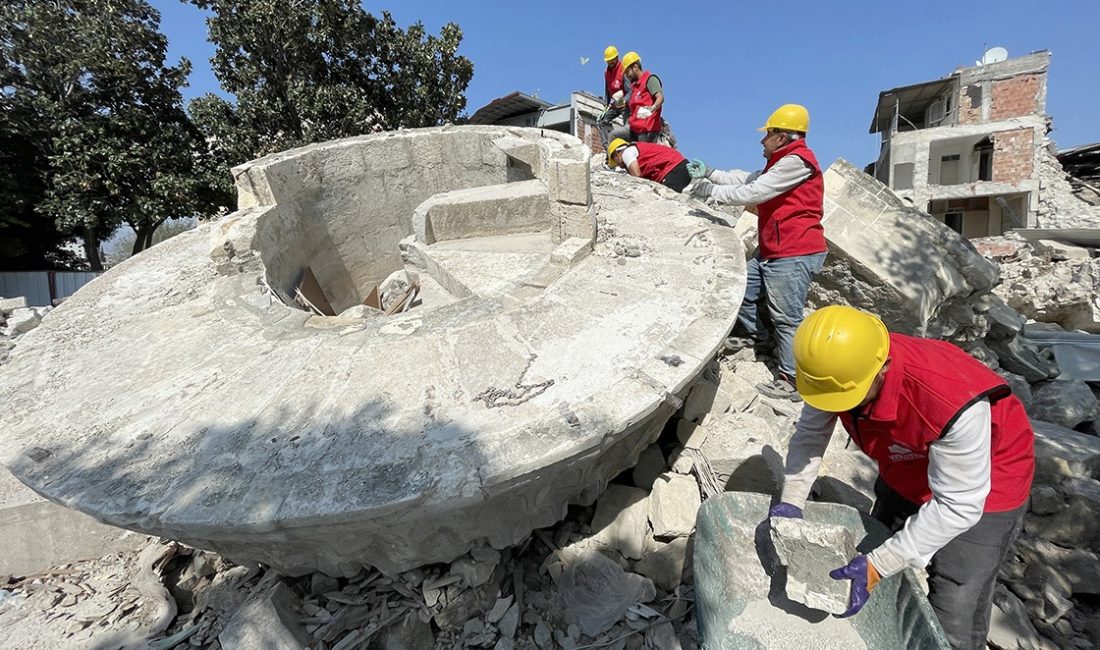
{"x": 994, "y": 55}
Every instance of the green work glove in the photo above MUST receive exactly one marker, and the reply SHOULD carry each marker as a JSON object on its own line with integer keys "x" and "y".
{"x": 697, "y": 168}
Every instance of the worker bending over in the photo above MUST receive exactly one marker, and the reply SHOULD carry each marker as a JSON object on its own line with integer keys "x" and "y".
{"x": 787, "y": 195}
{"x": 646, "y": 98}
{"x": 615, "y": 91}
{"x": 954, "y": 449}
{"x": 656, "y": 162}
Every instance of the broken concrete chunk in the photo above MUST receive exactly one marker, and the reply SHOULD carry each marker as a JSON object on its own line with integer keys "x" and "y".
{"x": 11, "y": 304}
{"x": 22, "y": 320}
{"x": 746, "y": 453}
{"x": 810, "y": 550}
{"x": 673, "y": 505}
{"x": 620, "y": 520}
{"x": 571, "y": 251}
{"x": 664, "y": 563}
{"x": 1066, "y": 403}
{"x": 596, "y": 593}
{"x": 269, "y": 622}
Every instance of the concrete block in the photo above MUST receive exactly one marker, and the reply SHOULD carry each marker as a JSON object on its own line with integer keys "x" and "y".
{"x": 270, "y": 622}
{"x": 745, "y": 453}
{"x": 571, "y": 251}
{"x": 523, "y": 151}
{"x": 620, "y": 520}
{"x": 11, "y": 304}
{"x": 707, "y": 398}
{"x": 673, "y": 505}
{"x": 22, "y": 320}
{"x": 506, "y": 209}
{"x": 810, "y": 550}
{"x": 570, "y": 221}
{"x": 1058, "y": 251}
{"x": 568, "y": 181}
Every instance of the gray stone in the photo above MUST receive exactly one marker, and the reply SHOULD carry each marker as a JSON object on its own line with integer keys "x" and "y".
{"x": 1009, "y": 627}
{"x": 1020, "y": 356}
{"x": 474, "y": 573}
{"x": 1080, "y": 566}
{"x": 1062, "y": 453}
{"x": 708, "y": 399}
{"x": 673, "y": 505}
{"x": 571, "y": 251}
{"x": 11, "y": 304}
{"x": 1077, "y": 524}
{"x": 467, "y": 604}
{"x": 650, "y": 465}
{"x": 745, "y": 452}
{"x": 662, "y": 636}
{"x": 664, "y": 563}
{"x": 304, "y": 442}
{"x": 509, "y": 622}
{"x": 22, "y": 320}
{"x": 595, "y": 593}
{"x": 1064, "y": 402}
{"x": 269, "y": 622}
{"x": 407, "y": 633}
{"x": 620, "y": 520}
{"x": 1046, "y": 500}
{"x": 1058, "y": 250}
{"x": 1020, "y": 387}
{"x": 568, "y": 181}
{"x": 810, "y": 550}
{"x": 321, "y": 584}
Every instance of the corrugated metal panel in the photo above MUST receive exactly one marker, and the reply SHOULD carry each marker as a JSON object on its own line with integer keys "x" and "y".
{"x": 35, "y": 285}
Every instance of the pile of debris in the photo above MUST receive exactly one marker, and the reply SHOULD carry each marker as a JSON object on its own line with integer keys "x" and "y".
{"x": 1061, "y": 204}
{"x": 16, "y": 319}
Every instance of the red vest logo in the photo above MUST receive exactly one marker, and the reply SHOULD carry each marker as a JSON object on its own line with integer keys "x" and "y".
{"x": 900, "y": 454}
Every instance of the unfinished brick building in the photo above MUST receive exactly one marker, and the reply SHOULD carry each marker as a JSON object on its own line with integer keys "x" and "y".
{"x": 968, "y": 148}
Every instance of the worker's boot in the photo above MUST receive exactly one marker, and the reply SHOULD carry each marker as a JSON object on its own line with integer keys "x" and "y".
{"x": 780, "y": 388}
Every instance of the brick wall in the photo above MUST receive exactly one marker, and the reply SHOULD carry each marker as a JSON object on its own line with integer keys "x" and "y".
{"x": 1013, "y": 155}
{"x": 1016, "y": 96}
{"x": 970, "y": 104}
{"x": 588, "y": 133}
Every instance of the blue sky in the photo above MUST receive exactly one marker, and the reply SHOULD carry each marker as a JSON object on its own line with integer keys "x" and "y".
{"x": 727, "y": 64}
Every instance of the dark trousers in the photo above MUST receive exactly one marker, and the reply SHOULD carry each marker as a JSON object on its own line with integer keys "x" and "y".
{"x": 963, "y": 574}
{"x": 678, "y": 177}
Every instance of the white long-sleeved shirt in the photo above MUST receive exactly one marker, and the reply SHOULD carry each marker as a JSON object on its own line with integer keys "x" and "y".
{"x": 958, "y": 475}
{"x": 742, "y": 188}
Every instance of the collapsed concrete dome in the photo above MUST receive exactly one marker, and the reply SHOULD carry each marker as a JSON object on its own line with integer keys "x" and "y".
{"x": 184, "y": 394}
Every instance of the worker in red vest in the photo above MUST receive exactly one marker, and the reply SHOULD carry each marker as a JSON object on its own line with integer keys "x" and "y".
{"x": 646, "y": 99}
{"x": 615, "y": 91}
{"x": 788, "y": 195}
{"x": 955, "y": 452}
{"x": 656, "y": 162}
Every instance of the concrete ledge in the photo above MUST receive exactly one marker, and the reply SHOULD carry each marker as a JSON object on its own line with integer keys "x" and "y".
{"x": 488, "y": 211}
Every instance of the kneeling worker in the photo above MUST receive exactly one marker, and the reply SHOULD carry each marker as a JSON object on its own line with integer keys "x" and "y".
{"x": 656, "y": 162}
{"x": 954, "y": 449}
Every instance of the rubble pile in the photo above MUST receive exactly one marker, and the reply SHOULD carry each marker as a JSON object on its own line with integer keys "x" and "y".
{"x": 16, "y": 319}
{"x": 1060, "y": 205}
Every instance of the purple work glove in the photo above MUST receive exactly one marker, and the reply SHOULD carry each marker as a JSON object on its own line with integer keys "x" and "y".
{"x": 782, "y": 509}
{"x": 861, "y": 571}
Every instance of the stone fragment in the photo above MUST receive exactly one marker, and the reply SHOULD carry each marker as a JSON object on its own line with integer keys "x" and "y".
{"x": 405, "y": 634}
{"x": 11, "y": 304}
{"x": 650, "y": 464}
{"x": 683, "y": 464}
{"x": 1046, "y": 500}
{"x": 1058, "y": 251}
{"x": 473, "y": 572}
{"x": 745, "y": 452}
{"x": 662, "y": 636}
{"x": 506, "y": 209}
{"x": 1020, "y": 387}
{"x": 467, "y": 604}
{"x": 1077, "y": 524}
{"x": 810, "y": 550}
{"x": 568, "y": 181}
{"x": 1064, "y": 453}
{"x": 509, "y": 622}
{"x": 1066, "y": 403}
{"x": 1009, "y": 627}
{"x": 620, "y": 520}
{"x": 571, "y": 251}
{"x": 1080, "y": 566}
{"x": 595, "y": 593}
{"x": 320, "y": 584}
{"x": 269, "y": 622}
{"x": 708, "y": 399}
{"x": 673, "y": 505}
{"x": 22, "y": 320}
{"x": 664, "y": 563}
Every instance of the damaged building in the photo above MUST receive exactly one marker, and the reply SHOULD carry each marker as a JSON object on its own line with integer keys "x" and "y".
{"x": 968, "y": 148}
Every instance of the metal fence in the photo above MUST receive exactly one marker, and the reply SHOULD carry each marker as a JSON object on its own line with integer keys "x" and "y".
{"x": 42, "y": 288}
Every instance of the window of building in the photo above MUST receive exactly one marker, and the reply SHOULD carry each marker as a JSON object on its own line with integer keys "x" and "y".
{"x": 949, "y": 170}
{"x": 903, "y": 176}
{"x": 974, "y": 92}
{"x": 954, "y": 221}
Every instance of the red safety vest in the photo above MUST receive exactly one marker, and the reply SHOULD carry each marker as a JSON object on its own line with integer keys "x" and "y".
{"x": 790, "y": 224}
{"x": 639, "y": 96}
{"x": 928, "y": 384}
{"x": 655, "y": 161}
{"x": 613, "y": 79}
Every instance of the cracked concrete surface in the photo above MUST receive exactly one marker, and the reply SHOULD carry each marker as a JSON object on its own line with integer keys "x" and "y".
{"x": 178, "y": 395}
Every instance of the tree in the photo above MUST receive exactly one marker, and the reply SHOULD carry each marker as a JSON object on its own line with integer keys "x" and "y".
{"x": 87, "y": 80}
{"x": 306, "y": 72}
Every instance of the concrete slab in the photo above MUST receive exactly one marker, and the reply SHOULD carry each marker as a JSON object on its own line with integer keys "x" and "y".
{"x": 177, "y": 396}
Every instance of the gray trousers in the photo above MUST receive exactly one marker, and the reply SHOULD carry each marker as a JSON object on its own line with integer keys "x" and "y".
{"x": 625, "y": 133}
{"x": 963, "y": 574}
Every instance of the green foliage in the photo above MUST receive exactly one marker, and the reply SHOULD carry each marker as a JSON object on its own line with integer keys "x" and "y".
{"x": 304, "y": 72}
{"x": 88, "y": 95}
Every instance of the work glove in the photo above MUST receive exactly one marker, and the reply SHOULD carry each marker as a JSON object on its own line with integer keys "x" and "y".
{"x": 697, "y": 169}
{"x": 617, "y": 99}
{"x": 701, "y": 189}
{"x": 782, "y": 509}
{"x": 864, "y": 576}
{"x": 643, "y": 112}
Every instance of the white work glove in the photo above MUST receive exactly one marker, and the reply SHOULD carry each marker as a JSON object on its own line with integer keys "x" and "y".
{"x": 644, "y": 112}
{"x": 617, "y": 98}
{"x": 701, "y": 188}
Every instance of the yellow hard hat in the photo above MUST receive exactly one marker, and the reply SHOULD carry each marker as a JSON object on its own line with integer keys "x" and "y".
{"x": 630, "y": 58}
{"x": 616, "y": 144}
{"x": 610, "y": 54}
{"x": 789, "y": 117}
{"x": 838, "y": 351}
